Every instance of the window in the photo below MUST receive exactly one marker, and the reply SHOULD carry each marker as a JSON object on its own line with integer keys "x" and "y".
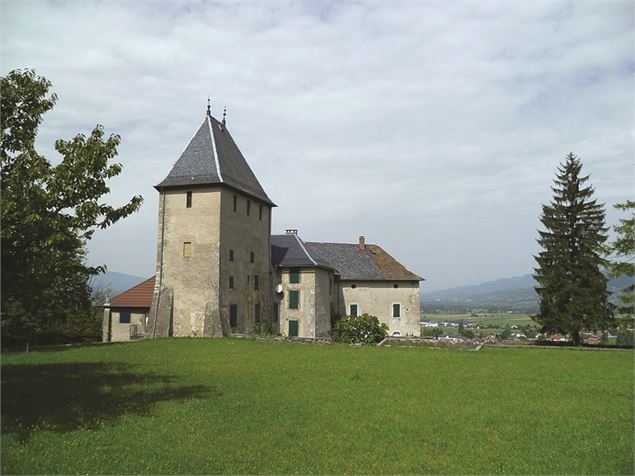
{"x": 231, "y": 282}
{"x": 188, "y": 200}
{"x": 353, "y": 310}
{"x": 353, "y": 286}
{"x": 231, "y": 255}
{"x": 395, "y": 285}
{"x": 233, "y": 315}
{"x": 124, "y": 317}
{"x": 256, "y": 282}
{"x": 252, "y": 257}
{"x": 235, "y": 202}
{"x": 294, "y": 299}
{"x": 294, "y": 276}
{"x": 257, "y": 313}
{"x": 276, "y": 311}
{"x": 260, "y": 213}
{"x": 248, "y": 206}
{"x": 248, "y": 280}
{"x": 396, "y": 310}
{"x": 187, "y": 249}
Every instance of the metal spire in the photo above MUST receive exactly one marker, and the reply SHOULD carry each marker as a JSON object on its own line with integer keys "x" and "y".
{"x": 225, "y": 116}
{"x": 209, "y": 106}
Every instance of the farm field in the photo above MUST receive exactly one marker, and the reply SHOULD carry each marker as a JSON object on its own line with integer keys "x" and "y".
{"x": 200, "y": 406}
{"x": 499, "y": 320}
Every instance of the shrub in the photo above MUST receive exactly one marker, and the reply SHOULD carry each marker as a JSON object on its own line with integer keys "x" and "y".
{"x": 364, "y": 329}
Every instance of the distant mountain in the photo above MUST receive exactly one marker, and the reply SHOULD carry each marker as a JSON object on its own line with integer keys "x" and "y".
{"x": 117, "y": 282}
{"x": 508, "y": 294}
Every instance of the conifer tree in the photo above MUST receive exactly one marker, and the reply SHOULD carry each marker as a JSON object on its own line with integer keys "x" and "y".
{"x": 571, "y": 283}
{"x": 623, "y": 249}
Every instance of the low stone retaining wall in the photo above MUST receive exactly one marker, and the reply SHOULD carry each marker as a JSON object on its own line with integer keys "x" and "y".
{"x": 474, "y": 344}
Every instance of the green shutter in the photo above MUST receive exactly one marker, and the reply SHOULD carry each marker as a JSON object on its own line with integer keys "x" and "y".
{"x": 294, "y": 276}
{"x": 293, "y": 328}
{"x": 396, "y": 310}
{"x": 294, "y": 299}
{"x": 353, "y": 310}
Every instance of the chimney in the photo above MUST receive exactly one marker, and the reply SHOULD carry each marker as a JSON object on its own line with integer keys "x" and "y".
{"x": 292, "y": 231}
{"x": 362, "y": 242}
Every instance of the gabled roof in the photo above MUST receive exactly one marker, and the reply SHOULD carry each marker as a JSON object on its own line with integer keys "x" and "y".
{"x": 288, "y": 251}
{"x": 369, "y": 264}
{"x": 137, "y": 296}
{"x": 212, "y": 157}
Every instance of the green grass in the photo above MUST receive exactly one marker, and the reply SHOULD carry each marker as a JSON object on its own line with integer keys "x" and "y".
{"x": 491, "y": 319}
{"x": 237, "y": 406}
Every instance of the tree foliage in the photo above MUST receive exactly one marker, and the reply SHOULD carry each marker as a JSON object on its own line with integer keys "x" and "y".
{"x": 364, "y": 329}
{"x": 48, "y": 213}
{"x": 623, "y": 250}
{"x": 571, "y": 285}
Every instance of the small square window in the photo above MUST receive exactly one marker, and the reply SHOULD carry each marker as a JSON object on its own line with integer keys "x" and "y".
{"x": 256, "y": 282}
{"x": 235, "y": 202}
{"x": 396, "y": 310}
{"x": 188, "y": 200}
{"x": 231, "y": 282}
{"x": 233, "y": 315}
{"x": 248, "y": 206}
{"x": 252, "y": 257}
{"x": 353, "y": 310}
{"x": 294, "y": 276}
{"x": 294, "y": 299}
{"x": 124, "y": 317}
{"x": 187, "y": 249}
{"x": 231, "y": 255}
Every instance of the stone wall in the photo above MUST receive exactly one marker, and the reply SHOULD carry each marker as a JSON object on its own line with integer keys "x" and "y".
{"x": 120, "y": 332}
{"x": 377, "y": 297}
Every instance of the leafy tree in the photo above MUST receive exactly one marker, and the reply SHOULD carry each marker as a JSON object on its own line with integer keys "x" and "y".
{"x": 571, "y": 285}
{"x": 623, "y": 249}
{"x": 364, "y": 329}
{"x": 48, "y": 214}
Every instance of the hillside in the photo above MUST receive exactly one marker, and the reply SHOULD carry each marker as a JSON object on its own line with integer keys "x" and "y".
{"x": 116, "y": 282}
{"x": 508, "y": 294}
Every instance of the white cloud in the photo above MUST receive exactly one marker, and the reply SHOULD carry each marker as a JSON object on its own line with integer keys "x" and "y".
{"x": 434, "y": 128}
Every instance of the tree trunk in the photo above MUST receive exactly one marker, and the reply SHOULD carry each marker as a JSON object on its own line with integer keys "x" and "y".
{"x": 575, "y": 337}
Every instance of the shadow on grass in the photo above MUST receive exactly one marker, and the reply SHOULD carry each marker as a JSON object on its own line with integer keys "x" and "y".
{"x": 65, "y": 397}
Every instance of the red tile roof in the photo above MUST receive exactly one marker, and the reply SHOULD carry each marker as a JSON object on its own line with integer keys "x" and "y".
{"x": 137, "y": 296}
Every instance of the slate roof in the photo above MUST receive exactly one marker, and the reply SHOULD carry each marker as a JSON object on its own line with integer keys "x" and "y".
{"x": 212, "y": 157}
{"x": 289, "y": 251}
{"x": 137, "y": 296}
{"x": 354, "y": 264}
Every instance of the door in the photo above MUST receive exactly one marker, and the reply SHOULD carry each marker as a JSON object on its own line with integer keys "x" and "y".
{"x": 293, "y": 328}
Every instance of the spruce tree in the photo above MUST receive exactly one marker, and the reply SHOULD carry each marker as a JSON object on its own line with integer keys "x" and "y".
{"x": 571, "y": 283}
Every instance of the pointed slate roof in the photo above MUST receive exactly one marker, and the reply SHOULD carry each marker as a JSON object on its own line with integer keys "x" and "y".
{"x": 212, "y": 157}
{"x": 289, "y": 251}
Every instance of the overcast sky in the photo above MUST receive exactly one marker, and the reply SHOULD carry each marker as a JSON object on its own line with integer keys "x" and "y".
{"x": 433, "y": 128}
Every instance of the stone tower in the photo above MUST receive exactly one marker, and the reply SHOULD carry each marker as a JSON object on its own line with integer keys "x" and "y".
{"x": 213, "y": 249}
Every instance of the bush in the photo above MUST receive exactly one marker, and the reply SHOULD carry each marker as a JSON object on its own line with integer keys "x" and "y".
{"x": 364, "y": 329}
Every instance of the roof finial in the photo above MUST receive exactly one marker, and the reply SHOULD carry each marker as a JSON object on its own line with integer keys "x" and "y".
{"x": 209, "y": 106}
{"x": 225, "y": 116}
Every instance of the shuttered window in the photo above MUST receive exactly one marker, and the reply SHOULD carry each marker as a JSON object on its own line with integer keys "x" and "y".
{"x": 396, "y": 310}
{"x": 294, "y": 299}
{"x": 353, "y": 310}
{"x": 294, "y": 276}
{"x": 233, "y": 315}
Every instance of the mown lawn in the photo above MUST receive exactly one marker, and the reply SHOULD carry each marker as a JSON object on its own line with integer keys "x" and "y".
{"x": 238, "y": 406}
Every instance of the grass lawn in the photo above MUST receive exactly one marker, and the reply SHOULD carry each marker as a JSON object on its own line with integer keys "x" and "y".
{"x": 239, "y": 406}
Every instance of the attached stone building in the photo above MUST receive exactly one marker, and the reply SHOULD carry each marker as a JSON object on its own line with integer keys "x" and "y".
{"x": 220, "y": 271}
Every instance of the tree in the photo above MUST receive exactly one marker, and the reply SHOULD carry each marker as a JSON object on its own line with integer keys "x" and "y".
{"x": 48, "y": 214}
{"x": 623, "y": 249}
{"x": 571, "y": 285}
